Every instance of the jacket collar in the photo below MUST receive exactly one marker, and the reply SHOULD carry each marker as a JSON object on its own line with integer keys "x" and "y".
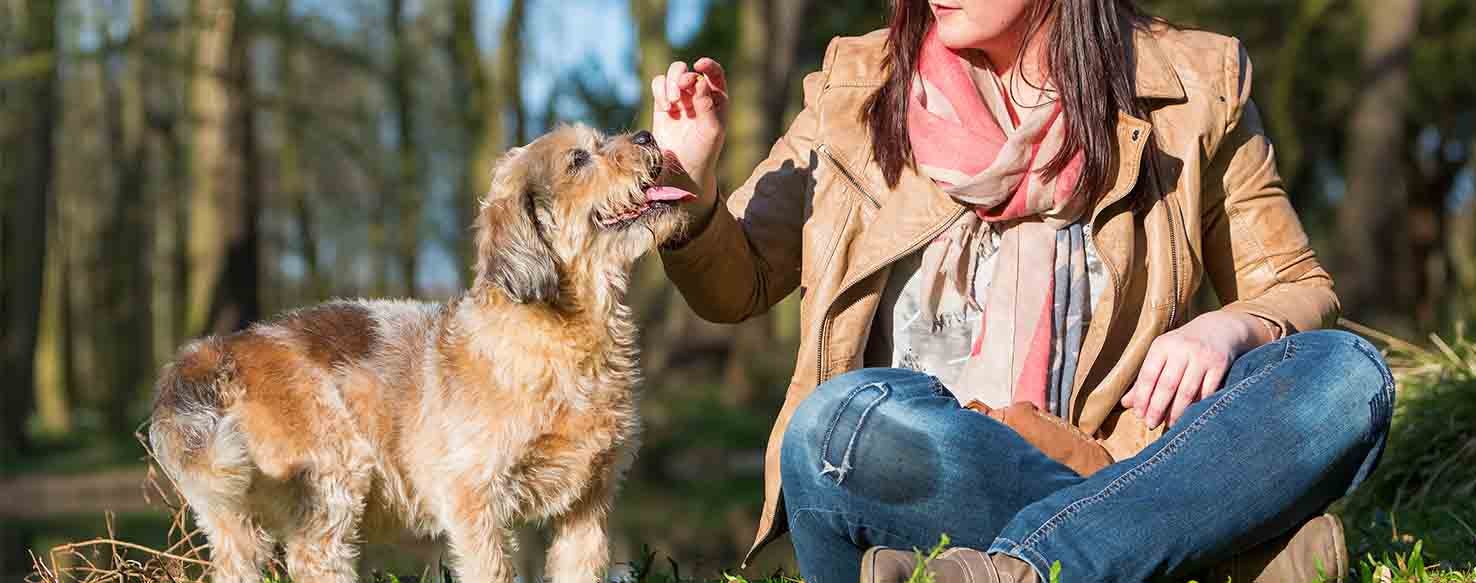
{"x": 1153, "y": 75}
{"x": 859, "y": 64}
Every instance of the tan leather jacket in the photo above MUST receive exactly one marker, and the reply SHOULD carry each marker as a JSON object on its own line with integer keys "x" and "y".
{"x": 818, "y": 215}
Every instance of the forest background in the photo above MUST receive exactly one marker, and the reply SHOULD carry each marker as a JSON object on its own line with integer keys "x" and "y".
{"x": 170, "y": 168}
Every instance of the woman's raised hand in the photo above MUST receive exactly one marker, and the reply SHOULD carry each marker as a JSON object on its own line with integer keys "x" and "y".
{"x": 688, "y": 121}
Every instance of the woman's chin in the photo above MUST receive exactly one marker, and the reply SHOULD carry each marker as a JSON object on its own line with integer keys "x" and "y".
{"x": 957, "y": 32}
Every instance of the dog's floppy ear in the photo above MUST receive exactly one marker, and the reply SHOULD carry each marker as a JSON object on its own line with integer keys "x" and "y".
{"x": 512, "y": 252}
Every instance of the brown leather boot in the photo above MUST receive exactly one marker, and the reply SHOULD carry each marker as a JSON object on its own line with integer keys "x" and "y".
{"x": 1059, "y": 440}
{"x": 955, "y": 565}
{"x": 1294, "y": 557}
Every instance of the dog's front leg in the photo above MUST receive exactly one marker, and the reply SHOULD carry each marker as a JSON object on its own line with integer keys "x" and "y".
{"x": 481, "y": 547}
{"x": 580, "y": 551}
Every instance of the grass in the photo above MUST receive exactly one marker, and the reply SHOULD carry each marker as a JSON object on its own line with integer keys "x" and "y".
{"x": 1424, "y": 492}
{"x": 1414, "y": 521}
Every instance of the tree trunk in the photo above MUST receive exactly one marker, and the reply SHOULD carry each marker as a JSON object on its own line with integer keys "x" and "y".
{"x": 768, "y": 37}
{"x": 654, "y": 49}
{"x": 1428, "y": 224}
{"x": 29, "y": 195}
{"x": 225, "y": 176}
{"x": 1377, "y": 276}
{"x": 406, "y": 198}
{"x": 53, "y": 405}
{"x": 170, "y": 257}
{"x": 651, "y": 291}
{"x": 511, "y": 73}
{"x": 28, "y": 185}
{"x": 126, "y": 323}
{"x": 480, "y": 124}
{"x": 292, "y": 170}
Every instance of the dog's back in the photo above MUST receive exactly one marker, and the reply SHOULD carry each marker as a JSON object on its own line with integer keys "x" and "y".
{"x": 299, "y": 395}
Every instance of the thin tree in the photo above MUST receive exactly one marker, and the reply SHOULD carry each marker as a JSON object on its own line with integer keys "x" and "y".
{"x": 225, "y": 175}
{"x": 763, "y": 73}
{"x": 292, "y": 169}
{"x": 126, "y": 322}
{"x": 510, "y": 71}
{"x": 1377, "y": 276}
{"x": 27, "y": 188}
{"x": 481, "y": 126}
{"x": 653, "y": 48}
{"x": 406, "y": 197}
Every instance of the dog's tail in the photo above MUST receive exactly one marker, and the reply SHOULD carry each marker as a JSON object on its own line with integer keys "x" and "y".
{"x": 191, "y": 432}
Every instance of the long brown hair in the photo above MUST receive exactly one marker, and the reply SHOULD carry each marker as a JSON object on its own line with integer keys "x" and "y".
{"x": 1086, "y": 58}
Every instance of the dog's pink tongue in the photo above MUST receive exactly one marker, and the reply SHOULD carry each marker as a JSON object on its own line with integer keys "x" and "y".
{"x": 668, "y": 194}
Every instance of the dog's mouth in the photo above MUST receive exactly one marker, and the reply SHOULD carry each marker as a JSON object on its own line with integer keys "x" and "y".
{"x": 658, "y": 200}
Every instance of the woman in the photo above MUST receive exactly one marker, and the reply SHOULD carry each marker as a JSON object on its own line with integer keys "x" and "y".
{"x": 998, "y": 202}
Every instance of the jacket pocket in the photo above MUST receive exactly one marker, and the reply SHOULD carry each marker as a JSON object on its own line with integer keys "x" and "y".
{"x": 835, "y": 163}
{"x": 838, "y": 200}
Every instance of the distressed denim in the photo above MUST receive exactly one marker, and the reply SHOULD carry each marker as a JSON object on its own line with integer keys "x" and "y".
{"x": 887, "y": 457}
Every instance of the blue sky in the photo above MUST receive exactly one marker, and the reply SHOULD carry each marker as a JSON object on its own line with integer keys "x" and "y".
{"x": 560, "y": 35}
{"x": 565, "y": 33}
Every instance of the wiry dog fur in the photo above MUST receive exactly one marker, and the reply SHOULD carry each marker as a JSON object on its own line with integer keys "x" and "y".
{"x": 374, "y": 420}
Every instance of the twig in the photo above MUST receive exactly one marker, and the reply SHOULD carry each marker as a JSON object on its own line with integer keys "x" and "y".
{"x": 128, "y": 545}
{"x": 1381, "y": 336}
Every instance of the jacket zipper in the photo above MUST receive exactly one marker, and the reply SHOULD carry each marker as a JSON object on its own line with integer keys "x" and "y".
{"x": 825, "y": 316}
{"x": 1113, "y": 274}
{"x": 1173, "y": 260}
{"x": 1169, "y": 212}
{"x": 824, "y": 150}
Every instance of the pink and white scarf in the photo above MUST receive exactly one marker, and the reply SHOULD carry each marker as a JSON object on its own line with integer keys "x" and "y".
{"x": 965, "y": 138}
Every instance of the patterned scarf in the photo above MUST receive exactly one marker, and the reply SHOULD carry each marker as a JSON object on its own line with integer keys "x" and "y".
{"x": 965, "y": 138}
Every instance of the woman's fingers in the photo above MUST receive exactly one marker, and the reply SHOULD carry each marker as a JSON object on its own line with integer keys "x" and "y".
{"x": 702, "y": 96}
{"x": 1188, "y": 390}
{"x": 658, "y": 94}
{"x": 1147, "y": 376}
{"x": 1212, "y": 380}
{"x": 673, "y": 77}
{"x": 1164, "y": 390}
{"x": 688, "y": 82}
{"x": 685, "y": 91}
{"x": 713, "y": 70}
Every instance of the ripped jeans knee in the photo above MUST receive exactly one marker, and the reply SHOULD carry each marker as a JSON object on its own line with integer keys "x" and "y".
{"x": 851, "y": 417}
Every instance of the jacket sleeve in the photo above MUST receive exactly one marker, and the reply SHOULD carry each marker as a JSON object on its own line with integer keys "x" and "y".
{"x": 1257, "y": 255}
{"x": 747, "y": 257}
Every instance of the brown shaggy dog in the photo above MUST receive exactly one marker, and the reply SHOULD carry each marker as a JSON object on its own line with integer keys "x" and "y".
{"x": 450, "y": 423}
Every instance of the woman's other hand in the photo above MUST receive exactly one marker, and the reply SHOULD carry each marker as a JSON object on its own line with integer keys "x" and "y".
{"x": 688, "y": 121}
{"x": 1189, "y": 363}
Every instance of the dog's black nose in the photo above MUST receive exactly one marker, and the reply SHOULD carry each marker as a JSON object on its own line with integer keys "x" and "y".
{"x": 644, "y": 138}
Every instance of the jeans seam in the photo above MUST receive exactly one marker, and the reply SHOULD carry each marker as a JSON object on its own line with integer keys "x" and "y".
{"x": 1172, "y": 447}
{"x": 848, "y": 518}
{"x": 1378, "y": 362}
{"x": 845, "y": 461}
{"x": 1382, "y": 409}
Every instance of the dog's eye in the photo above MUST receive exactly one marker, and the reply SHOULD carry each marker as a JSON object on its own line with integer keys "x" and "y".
{"x": 577, "y": 159}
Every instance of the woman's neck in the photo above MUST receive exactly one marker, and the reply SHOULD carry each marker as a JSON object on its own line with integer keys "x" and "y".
{"x": 1021, "y": 66}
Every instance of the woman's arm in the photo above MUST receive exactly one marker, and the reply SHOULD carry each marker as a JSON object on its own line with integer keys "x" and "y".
{"x": 1270, "y": 270}
{"x": 745, "y": 256}
{"x": 1258, "y": 259}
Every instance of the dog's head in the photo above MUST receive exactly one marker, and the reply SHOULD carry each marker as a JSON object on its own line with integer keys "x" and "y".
{"x": 574, "y": 205}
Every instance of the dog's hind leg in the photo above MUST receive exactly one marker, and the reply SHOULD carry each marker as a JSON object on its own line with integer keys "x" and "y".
{"x": 239, "y": 550}
{"x": 323, "y": 545}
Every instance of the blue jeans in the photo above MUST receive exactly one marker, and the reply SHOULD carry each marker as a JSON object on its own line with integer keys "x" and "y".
{"x": 887, "y": 457}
